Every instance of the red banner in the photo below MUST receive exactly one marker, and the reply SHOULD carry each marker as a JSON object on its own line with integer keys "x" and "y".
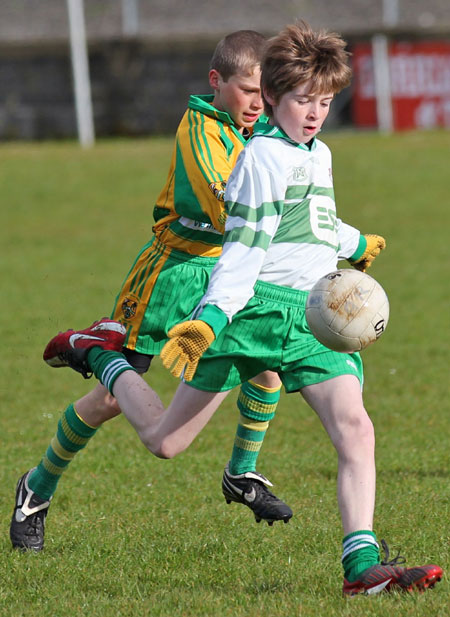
{"x": 420, "y": 85}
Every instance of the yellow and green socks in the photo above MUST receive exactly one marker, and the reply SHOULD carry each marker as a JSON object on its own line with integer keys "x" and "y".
{"x": 71, "y": 436}
{"x": 73, "y": 433}
{"x": 257, "y": 405}
{"x": 360, "y": 551}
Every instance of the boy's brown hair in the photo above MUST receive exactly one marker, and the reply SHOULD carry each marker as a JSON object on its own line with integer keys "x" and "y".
{"x": 298, "y": 55}
{"x": 238, "y": 53}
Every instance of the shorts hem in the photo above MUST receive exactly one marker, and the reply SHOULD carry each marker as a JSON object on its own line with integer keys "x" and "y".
{"x": 319, "y": 379}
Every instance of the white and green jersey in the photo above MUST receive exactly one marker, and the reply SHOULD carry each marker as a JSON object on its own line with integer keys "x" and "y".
{"x": 282, "y": 226}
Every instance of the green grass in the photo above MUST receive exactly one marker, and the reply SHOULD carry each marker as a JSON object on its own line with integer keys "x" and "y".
{"x": 129, "y": 534}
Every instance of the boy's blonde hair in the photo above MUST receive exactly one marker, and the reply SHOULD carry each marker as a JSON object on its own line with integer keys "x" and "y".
{"x": 238, "y": 53}
{"x": 298, "y": 55}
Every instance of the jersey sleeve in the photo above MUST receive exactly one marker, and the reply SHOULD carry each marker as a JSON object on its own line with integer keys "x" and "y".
{"x": 348, "y": 238}
{"x": 207, "y": 152}
{"x": 254, "y": 200}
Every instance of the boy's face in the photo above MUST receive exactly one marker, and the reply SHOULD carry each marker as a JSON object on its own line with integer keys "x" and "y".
{"x": 240, "y": 96}
{"x": 300, "y": 113}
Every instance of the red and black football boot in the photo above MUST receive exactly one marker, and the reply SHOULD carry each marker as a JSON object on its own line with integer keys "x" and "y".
{"x": 388, "y": 576}
{"x": 71, "y": 348}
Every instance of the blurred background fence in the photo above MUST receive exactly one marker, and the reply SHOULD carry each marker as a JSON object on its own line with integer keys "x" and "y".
{"x": 144, "y": 58}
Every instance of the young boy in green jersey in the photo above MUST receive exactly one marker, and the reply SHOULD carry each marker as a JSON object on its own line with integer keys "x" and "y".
{"x": 165, "y": 283}
{"x": 282, "y": 225}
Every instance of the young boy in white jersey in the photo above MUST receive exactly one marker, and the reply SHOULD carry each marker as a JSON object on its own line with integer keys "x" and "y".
{"x": 281, "y": 235}
{"x": 164, "y": 285}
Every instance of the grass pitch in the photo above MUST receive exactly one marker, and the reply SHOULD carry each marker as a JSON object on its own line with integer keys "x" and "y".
{"x": 128, "y": 534}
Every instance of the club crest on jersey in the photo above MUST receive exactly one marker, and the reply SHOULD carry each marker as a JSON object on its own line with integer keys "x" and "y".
{"x": 299, "y": 173}
{"x": 129, "y": 306}
{"x": 218, "y": 189}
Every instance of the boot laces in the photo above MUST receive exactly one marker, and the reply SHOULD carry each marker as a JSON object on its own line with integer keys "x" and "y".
{"x": 397, "y": 560}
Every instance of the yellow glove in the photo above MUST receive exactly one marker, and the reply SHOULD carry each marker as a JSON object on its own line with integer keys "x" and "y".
{"x": 375, "y": 244}
{"x": 187, "y": 343}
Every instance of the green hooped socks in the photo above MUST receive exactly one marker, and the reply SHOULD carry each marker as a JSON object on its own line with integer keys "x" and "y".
{"x": 360, "y": 551}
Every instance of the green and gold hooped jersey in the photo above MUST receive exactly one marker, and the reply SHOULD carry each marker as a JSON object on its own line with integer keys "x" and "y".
{"x": 190, "y": 210}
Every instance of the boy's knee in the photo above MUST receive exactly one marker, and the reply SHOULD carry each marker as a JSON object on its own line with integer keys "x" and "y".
{"x": 97, "y": 407}
{"x": 267, "y": 379}
{"x": 165, "y": 450}
{"x": 107, "y": 408}
{"x": 365, "y": 427}
{"x": 360, "y": 432}
{"x": 162, "y": 447}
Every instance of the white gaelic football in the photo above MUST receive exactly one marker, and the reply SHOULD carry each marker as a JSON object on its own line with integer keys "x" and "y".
{"x": 347, "y": 310}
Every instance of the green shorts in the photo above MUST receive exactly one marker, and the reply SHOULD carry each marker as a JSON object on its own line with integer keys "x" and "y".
{"x": 162, "y": 288}
{"x": 271, "y": 333}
